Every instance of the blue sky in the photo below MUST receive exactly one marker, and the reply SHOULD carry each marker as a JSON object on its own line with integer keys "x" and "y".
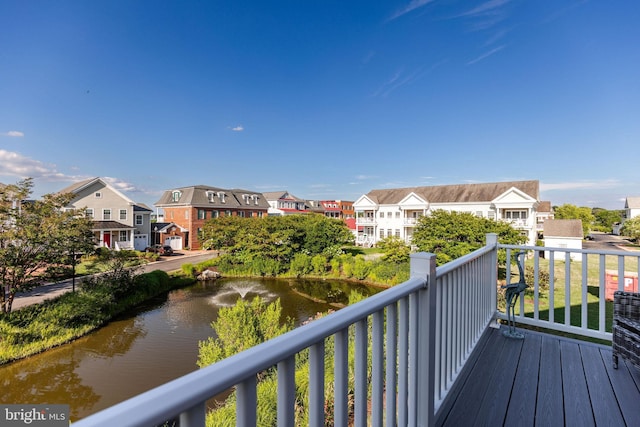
{"x": 325, "y": 99}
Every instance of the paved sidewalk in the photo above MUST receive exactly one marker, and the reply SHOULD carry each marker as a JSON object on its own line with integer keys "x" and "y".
{"x": 52, "y": 290}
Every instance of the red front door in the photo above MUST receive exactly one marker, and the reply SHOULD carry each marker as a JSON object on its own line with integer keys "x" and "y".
{"x": 106, "y": 237}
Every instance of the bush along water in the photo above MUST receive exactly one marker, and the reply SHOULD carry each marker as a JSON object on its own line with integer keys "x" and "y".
{"x": 39, "y": 327}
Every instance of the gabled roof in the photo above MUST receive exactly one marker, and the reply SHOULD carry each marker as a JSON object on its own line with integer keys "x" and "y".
{"x": 163, "y": 227}
{"x": 281, "y": 195}
{"x": 563, "y": 228}
{"x": 81, "y": 185}
{"x": 461, "y": 193}
{"x": 632, "y": 203}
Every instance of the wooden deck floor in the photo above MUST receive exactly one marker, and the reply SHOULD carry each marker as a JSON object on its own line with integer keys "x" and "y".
{"x": 545, "y": 380}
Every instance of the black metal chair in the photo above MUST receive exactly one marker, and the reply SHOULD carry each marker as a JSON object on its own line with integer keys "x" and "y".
{"x": 626, "y": 327}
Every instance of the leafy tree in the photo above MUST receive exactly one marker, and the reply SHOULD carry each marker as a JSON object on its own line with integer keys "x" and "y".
{"x": 451, "y": 235}
{"x": 31, "y": 234}
{"x": 568, "y": 211}
{"x": 275, "y": 238}
{"x": 395, "y": 249}
{"x": 631, "y": 228}
{"x": 604, "y": 219}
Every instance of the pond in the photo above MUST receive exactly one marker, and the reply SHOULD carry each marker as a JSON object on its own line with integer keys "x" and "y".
{"x": 154, "y": 343}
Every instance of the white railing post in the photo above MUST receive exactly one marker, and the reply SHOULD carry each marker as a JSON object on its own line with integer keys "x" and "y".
{"x": 423, "y": 266}
{"x": 492, "y": 240}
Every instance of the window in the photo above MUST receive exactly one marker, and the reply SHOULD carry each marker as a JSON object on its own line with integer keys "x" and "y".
{"x": 479, "y": 214}
{"x": 106, "y": 214}
{"x": 215, "y": 214}
{"x": 260, "y": 214}
{"x": 175, "y": 196}
{"x": 389, "y": 233}
{"x": 515, "y": 214}
{"x": 381, "y": 214}
{"x": 398, "y": 233}
{"x": 221, "y": 196}
{"x": 241, "y": 214}
{"x": 202, "y": 214}
{"x": 389, "y": 214}
{"x": 397, "y": 215}
{"x": 227, "y": 213}
{"x": 89, "y": 212}
{"x": 123, "y": 235}
{"x": 97, "y": 195}
{"x": 139, "y": 220}
{"x": 123, "y": 214}
{"x": 211, "y": 196}
{"x": 382, "y": 233}
{"x": 491, "y": 215}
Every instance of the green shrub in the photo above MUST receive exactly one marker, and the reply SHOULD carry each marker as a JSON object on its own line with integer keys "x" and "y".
{"x": 319, "y": 264}
{"x": 361, "y": 268}
{"x": 301, "y": 264}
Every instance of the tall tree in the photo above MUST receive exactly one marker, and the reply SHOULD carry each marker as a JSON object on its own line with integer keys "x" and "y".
{"x": 31, "y": 235}
{"x": 606, "y": 218}
{"x": 451, "y": 235}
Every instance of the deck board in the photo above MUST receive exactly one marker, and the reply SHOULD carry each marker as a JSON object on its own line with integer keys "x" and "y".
{"x": 574, "y": 386}
{"x": 522, "y": 405}
{"x": 549, "y": 409}
{"x": 545, "y": 380}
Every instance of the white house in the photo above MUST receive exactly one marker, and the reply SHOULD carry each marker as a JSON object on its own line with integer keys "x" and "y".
{"x": 631, "y": 209}
{"x": 563, "y": 234}
{"x": 284, "y": 203}
{"x": 119, "y": 223}
{"x": 396, "y": 211}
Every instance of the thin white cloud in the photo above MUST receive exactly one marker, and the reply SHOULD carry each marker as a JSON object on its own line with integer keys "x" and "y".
{"x": 579, "y": 185}
{"x": 14, "y": 134}
{"x": 364, "y": 177}
{"x": 486, "y": 8}
{"x": 486, "y": 55}
{"x": 120, "y": 184}
{"x": 237, "y": 128}
{"x": 413, "y": 5}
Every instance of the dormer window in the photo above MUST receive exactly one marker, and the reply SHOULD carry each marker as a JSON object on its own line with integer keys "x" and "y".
{"x": 175, "y": 196}
{"x": 211, "y": 196}
{"x": 255, "y": 199}
{"x": 221, "y": 195}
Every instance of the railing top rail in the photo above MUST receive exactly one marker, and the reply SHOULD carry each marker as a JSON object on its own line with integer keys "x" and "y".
{"x": 178, "y": 395}
{"x": 582, "y": 251}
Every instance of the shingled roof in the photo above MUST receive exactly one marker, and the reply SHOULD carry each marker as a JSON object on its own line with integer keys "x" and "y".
{"x": 196, "y": 195}
{"x": 459, "y": 193}
{"x": 563, "y": 228}
{"x": 632, "y": 203}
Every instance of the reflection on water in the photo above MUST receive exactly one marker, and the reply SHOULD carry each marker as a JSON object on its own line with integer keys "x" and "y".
{"x": 150, "y": 346}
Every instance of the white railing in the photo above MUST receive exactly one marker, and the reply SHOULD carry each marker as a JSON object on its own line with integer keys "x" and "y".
{"x": 365, "y": 221}
{"x": 584, "y": 277}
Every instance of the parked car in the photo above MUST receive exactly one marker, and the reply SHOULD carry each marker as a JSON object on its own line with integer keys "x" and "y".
{"x": 160, "y": 249}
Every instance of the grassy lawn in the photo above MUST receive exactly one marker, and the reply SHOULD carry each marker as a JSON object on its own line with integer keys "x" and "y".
{"x": 575, "y": 288}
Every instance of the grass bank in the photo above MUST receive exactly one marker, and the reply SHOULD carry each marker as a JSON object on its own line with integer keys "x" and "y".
{"x": 40, "y": 327}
